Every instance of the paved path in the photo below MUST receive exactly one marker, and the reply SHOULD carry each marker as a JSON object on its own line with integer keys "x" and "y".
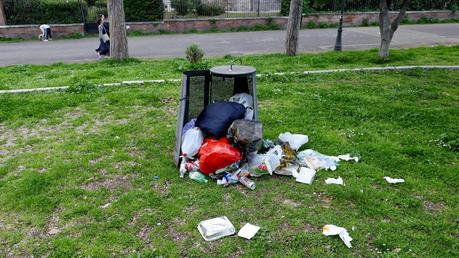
{"x": 219, "y": 44}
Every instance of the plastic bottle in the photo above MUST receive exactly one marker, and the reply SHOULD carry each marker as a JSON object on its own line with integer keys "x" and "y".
{"x": 198, "y": 177}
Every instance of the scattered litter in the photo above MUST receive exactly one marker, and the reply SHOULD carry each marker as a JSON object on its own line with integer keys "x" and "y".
{"x": 227, "y": 145}
{"x": 332, "y": 230}
{"x": 334, "y": 181}
{"x": 316, "y": 160}
{"x": 306, "y": 175}
{"x": 248, "y": 231}
{"x": 294, "y": 140}
{"x": 216, "y": 228}
{"x": 105, "y": 206}
{"x": 394, "y": 180}
{"x": 273, "y": 158}
{"x": 348, "y": 157}
{"x": 290, "y": 170}
{"x": 198, "y": 177}
{"x": 247, "y": 182}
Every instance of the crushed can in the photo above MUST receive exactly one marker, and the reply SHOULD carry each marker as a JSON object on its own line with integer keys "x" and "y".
{"x": 247, "y": 182}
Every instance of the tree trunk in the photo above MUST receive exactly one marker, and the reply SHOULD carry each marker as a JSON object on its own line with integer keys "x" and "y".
{"x": 118, "y": 38}
{"x": 293, "y": 27}
{"x": 2, "y": 14}
{"x": 386, "y": 28}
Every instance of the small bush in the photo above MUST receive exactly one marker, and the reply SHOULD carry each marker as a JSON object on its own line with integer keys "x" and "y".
{"x": 366, "y": 22}
{"x": 181, "y": 7}
{"x": 311, "y": 25}
{"x": 194, "y": 54}
{"x": 204, "y": 9}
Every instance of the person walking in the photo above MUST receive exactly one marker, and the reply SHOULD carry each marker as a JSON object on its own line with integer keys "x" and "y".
{"x": 104, "y": 39}
{"x": 45, "y": 32}
{"x": 105, "y": 27}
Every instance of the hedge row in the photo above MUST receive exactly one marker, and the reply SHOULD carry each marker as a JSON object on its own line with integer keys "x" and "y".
{"x": 313, "y": 6}
{"x": 72, "y": 11}
{"x": 197, "y": 7}
{"x": 43, "y": 11}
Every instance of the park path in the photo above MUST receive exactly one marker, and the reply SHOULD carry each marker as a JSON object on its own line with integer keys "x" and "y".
{"x": 220, "y": 44}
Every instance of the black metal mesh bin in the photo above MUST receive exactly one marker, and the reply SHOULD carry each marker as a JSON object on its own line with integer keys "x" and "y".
{"x": 201, "y": 87}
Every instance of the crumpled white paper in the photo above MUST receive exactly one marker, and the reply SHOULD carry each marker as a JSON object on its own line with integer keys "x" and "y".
{"x": 306, "y": 175}
{"x": 394, "y": 180}
{"x": 248, "y": 231}
{"x": 334, "y": 181}
{"x": 347, "y": 157}
{"x": 332, "y": 230}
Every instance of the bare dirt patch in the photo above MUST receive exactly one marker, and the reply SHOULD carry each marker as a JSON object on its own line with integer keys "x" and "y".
{"x": 291, "y": 203}
{"x": 434, "y": 207}
{"x": 109, "y": 181}
{"x": 174, "y": 231}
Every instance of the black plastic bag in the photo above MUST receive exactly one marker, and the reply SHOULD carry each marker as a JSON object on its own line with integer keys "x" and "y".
{"x": 215, "y": 119}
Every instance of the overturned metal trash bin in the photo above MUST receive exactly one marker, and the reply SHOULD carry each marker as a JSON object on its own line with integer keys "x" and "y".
{"x": 202, "y": 87}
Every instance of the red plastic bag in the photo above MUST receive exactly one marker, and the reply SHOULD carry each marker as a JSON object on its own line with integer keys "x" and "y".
{"x": 216, "y": 154}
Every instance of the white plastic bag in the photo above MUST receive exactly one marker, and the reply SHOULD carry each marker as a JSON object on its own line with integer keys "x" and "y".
{"x": 315, "y": 160}
{"x": 294, "y": 140}
{"x": 332, "y": 230}
{"x": 191, "y": 142}
{"x": 244, "y": 99}
{"x": 247, "y": 101}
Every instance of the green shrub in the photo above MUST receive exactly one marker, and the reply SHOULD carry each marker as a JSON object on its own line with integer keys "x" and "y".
{"x": 194, "y": 54}
{"x": 204, "y": 9}
{"x": 181, "y": 7}
{"x": 143, "y": 10}
{"x": 366, "y": 22}
{"x": 285, "y": 7}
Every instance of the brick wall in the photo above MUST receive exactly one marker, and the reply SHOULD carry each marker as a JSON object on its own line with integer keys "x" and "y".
{"x": 32, "y": 31}
{"x": 350, "y": 19}
{"x": 184, "y": 25}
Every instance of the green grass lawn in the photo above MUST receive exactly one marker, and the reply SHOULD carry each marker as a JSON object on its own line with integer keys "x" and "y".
{"x": 107, "y": 71}
{"x": 65, "y": 156}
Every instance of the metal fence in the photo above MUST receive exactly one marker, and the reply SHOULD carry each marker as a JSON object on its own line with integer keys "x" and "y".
{"x": 87, "y": 11}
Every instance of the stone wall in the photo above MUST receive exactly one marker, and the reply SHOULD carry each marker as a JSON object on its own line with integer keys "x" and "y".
{"x": 350, "y": 19}
{"x": 184, "y": 25}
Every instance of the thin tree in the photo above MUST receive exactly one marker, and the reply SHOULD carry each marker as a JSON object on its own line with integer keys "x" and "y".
{"x": 118, "y": 37}
{"x": 388, "y": 28}
{"x": 293, "y": 27}
{"x": 2, "y": 14}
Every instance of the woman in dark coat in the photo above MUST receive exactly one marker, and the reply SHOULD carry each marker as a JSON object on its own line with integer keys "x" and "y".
{"x": 104, "y": 45}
